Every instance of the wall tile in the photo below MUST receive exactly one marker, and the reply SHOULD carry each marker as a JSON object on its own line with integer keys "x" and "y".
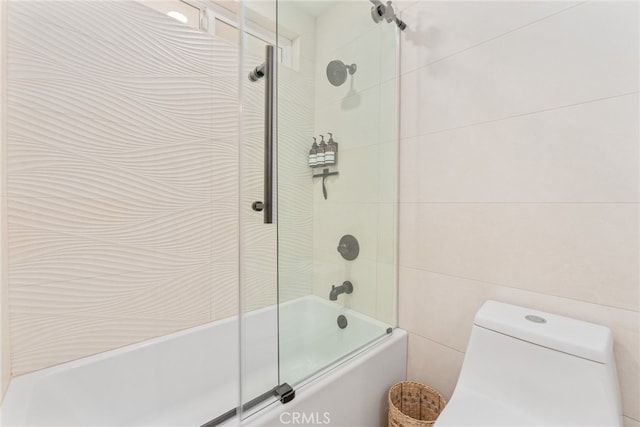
{"x": 456, "y": 313}
{"x": 123, "y": 179}
{"x": 537, "y": 210}
{"x": 363, "y": 275}
{"x": 433, "y": 364}
{"x": 357, "y": 219}
{"x": 362, "y": 114}
{"x": 584, "y": 252}
{"x": 162, "y": 43}
{"x": 389, "y": 111}
{"x": 5, "y": 332}
{"x": 224, "y": 293}
{"x": 491, "y": 77}
{"x": 387, "y": 233}
{"x": 298, "y": 86}
{"x": 292, "y": 19}
{"x": 144, "y": 294}
{"x": 585, "y": 153}
{"x": 341, "y": 24}
{"x": 327, "y": 273}
{"x": 630, "y": 422}
{"x": 387, "y": 168}
{"x": 438, "y": 306}
{"x": 403, "y": 5}
{"x": 409, "y": 172}
{"x": 61, "y": 339}
{"x": 437, "y": 29}
{"x": 5, "y": 350}
{"x": 365, "y": 53}
{"x": 186, "y": 230}
{"x": 443, "y": 307}
{"x": 352, "y": 120}
{"x": 390, "y": 54}
{"x": 628, "y": 365}
{"x": 358, "y": 177}
{"x": 387, "y": 296}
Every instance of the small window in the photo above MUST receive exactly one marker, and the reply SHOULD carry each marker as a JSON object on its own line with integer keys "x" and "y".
{"x": 219, "y": 21}
{"x": 181, "y": 11}
{"x": 224, "y": 24}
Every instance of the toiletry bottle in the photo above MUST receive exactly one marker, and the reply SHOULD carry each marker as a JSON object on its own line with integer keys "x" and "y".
{"x": 313, "y": 159}
{"x": 320, "y": 153}
{"x": 331, "y": 151}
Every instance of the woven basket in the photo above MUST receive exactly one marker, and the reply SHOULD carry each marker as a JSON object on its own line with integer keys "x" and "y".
{"x": 413, "y": 404}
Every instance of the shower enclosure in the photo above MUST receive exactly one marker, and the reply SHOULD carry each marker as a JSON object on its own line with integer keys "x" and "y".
{"x": 162, "y": 175}
{"x": 353, "y": 194}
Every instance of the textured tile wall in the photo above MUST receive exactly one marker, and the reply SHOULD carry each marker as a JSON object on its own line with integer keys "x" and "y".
{"x": 123, "y": 180}
{"x": 122, "y": 147}
{"x": 5, "y": 351}
{"x": 289, "y": 273}
{"x": 519, "y": 173}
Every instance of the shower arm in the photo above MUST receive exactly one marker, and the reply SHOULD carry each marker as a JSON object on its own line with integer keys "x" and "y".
{"x": 381, "y": 11}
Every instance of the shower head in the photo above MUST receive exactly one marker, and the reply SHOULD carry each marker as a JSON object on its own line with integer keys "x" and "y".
{"x": 337, "y": 71}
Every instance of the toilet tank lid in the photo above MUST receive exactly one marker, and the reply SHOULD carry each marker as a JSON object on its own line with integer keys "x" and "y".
{"x": 582, "y": 339}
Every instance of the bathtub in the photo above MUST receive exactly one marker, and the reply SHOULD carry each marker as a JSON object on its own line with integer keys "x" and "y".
{"x": 190, "y": 377}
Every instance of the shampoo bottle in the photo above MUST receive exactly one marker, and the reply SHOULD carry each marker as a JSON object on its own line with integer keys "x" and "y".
{"x": 331, "y": 151}
{"x": 320, "y": 153}
{"x": 313, "y": 156}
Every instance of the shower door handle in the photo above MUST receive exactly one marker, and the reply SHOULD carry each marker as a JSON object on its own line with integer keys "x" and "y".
{"x": 270, "y": 130}
{"x": 268, "y": 71}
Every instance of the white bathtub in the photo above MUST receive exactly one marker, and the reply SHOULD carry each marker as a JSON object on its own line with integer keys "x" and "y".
{"x": 190, "y": 377}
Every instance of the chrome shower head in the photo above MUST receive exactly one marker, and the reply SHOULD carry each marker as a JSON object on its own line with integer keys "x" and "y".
{"x": 337, "y": 71}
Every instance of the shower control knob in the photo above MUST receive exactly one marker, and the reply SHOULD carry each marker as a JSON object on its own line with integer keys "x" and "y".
{"x": 349, "y": 247}
{"x": 257, "y": 206}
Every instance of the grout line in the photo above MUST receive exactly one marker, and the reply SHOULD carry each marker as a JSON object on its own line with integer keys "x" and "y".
{"x": 345, "y": 43}
{"x": 494, "y": 38}
{"x": 514, "y": 116}
{"x": 631, "y": 418}
{"x": 433, "y": 341}
{"x": 518, "y": 289}
{"x": 409, "y": 7}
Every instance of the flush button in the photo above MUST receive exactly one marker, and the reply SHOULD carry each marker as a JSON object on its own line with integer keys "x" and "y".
{"x": 535, "y": 319}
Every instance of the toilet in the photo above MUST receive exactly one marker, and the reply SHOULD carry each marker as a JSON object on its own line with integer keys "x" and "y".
{"x": 525, "y": 367}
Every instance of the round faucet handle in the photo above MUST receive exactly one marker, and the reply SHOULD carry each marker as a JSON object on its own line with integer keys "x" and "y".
{"x": 348, "y": 247}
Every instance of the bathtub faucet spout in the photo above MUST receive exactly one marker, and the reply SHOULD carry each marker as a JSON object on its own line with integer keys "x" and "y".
{"x": 345, "y": 288}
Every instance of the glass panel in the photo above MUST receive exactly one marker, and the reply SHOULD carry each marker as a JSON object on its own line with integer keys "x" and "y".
{"x": 342, "y": 88}
{"x": 123, "y": 133}
{"x": 258, "y": 250}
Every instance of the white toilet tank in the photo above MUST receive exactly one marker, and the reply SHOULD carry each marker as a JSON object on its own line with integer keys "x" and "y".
{"x": 524, "y": 367}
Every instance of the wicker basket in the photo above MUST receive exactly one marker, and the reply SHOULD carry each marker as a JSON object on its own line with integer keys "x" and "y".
{"x": 413, "y": 404}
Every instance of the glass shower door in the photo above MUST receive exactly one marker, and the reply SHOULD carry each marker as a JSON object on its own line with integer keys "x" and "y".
{"x": 337, "y": 183}
{"x": 318, "y": 282}
{"x": 122, "y": 132}
{"x": 258, "y": 230}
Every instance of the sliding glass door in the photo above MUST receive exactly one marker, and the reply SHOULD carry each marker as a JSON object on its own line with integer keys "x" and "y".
{"x": 319, "y": 148}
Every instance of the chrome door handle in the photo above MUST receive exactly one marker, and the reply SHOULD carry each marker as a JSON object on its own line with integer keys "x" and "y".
{"x": 268, "y": 70}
